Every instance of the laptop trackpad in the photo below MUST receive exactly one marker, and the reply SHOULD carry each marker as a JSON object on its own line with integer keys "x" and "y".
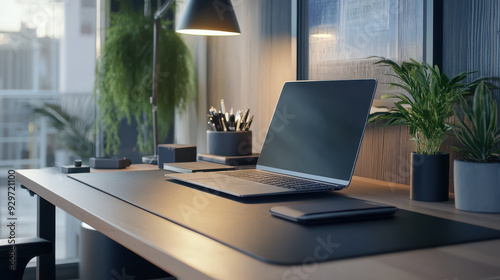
{"x": 196, "y": 175}
{"x": 237, "y": 186}
{"x": 227, "y": 184}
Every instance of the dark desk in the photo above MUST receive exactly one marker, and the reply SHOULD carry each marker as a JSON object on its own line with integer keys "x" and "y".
{"x": 189, "y": 255}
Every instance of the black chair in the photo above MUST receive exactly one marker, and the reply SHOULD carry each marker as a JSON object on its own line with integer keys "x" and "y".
{"x": 19, "y": 254}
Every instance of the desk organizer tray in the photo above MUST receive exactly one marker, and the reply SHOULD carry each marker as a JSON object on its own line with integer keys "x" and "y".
{"x": 247, "y": 226}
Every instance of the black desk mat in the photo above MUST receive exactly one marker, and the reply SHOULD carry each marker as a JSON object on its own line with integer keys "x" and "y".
{"x": 247, "y": 226}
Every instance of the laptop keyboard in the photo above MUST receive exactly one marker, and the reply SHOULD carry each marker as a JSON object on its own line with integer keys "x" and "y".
{"x": 278, "y": 180}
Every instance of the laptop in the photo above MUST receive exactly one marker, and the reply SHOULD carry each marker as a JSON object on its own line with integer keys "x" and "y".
{"x": 311, "y": 145}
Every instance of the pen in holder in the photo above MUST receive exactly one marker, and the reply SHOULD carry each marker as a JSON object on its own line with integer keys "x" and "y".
{"x": 229, "y": 143}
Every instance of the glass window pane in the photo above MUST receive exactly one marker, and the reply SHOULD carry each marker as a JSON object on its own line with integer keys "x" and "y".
{"x": 47, "y": 57}
{"x": 343, "y": 33}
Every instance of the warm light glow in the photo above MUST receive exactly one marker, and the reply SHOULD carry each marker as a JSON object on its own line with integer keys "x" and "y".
{"x": 322, "y": 35}
{"x": 205, "y": 32}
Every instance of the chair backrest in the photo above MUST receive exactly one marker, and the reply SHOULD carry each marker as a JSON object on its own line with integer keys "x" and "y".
{"x": 15, "y": 256}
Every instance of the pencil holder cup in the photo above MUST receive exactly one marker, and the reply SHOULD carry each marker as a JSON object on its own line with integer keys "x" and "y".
{"x": 229, "y": 143}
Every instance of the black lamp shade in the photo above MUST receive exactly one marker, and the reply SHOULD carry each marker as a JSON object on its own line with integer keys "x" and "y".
{"x": 209, "y": 17}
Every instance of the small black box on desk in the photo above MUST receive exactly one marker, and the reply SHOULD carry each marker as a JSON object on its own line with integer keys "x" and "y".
{"x": 175, "y": 153}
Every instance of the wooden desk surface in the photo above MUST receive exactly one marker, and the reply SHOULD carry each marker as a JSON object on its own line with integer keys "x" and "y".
{"x": 189, "y": 255}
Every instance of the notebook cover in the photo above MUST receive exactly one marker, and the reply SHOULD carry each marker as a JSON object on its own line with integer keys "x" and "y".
{"x": 230, "y": 160}
{"x": 196, "y": 166}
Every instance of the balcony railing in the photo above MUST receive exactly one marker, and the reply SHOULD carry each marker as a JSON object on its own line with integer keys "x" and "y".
{"x": 27, "y": 141}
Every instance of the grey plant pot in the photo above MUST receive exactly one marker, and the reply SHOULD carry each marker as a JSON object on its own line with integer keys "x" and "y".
{"x": 477, "y": 186}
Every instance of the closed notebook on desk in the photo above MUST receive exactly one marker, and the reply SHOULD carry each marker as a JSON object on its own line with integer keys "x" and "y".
{"x": 311, "y": 145}
{"x": 340, "y": 211}
{"x": 195, "y": 166}
{"x": 230, "y": 160}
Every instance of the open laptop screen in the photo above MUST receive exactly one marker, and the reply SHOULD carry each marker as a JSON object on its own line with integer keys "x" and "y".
{"x": 317, "y": 129}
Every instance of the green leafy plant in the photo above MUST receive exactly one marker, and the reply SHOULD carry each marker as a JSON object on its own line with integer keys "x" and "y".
{"x": 124, "y": 77}
{"x": 478, "y": 128}
{"x": 428, "y": 105}
{"x": 75, "y": 131}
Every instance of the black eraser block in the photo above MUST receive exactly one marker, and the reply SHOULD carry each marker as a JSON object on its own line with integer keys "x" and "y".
{"x": 68, "y": 169}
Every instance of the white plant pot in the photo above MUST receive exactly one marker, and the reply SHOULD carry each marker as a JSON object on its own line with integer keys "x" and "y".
{"x": 477, "y": 186}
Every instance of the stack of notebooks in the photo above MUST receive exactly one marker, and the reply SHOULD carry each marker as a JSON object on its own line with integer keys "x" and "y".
{"x": 230, "y": 160}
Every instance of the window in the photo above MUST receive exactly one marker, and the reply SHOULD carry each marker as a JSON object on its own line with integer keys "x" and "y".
{"x": 47, "y": 56}
{"x": 342, "y": 34}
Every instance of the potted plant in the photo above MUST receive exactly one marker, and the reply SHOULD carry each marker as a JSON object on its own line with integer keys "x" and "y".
{"x": 75, "y": 129}
{"x": 124, "y": 77}
{"x": 425, "y": 109}
{"x": 477, "y": 174}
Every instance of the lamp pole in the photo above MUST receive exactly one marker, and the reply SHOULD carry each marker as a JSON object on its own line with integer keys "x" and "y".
{"x": 203, "y": 18}
{"x": 157, "y": 27}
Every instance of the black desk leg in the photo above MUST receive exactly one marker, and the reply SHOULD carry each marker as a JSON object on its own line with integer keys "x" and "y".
{"x": 46, "y": 264}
